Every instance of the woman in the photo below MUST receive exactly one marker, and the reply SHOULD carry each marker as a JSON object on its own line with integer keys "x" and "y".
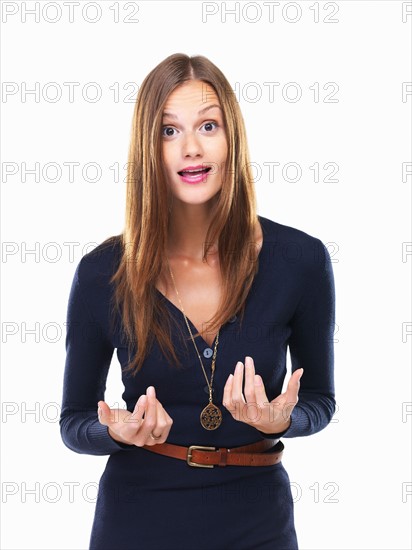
{"x": 201, "y": 298}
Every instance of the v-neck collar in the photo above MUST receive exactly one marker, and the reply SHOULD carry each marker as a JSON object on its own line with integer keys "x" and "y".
{"x": 192, "y": 325}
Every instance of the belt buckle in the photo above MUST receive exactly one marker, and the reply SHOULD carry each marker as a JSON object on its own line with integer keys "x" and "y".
{"x": 202, "y": 448}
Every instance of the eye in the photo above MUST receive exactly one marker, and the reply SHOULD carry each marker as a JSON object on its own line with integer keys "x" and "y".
{"x": 210, "y": 123}
{"x": 168, "y": 129}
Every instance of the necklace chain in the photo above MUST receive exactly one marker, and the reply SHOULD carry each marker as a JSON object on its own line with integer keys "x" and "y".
{"x": 209, "y": 384}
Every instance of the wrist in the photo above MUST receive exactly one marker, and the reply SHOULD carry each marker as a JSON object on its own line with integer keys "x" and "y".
{"x": 280, "y": 428}
{"x": 116, "y": 437}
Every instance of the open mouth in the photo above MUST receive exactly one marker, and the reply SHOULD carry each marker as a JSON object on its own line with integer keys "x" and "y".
{"x": 195, "y": 172}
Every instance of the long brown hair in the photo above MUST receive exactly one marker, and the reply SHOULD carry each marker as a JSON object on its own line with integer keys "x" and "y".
{"x": 144, "y": 238}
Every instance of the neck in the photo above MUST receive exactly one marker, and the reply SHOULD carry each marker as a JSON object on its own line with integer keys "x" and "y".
{"x": 187, "y": 229}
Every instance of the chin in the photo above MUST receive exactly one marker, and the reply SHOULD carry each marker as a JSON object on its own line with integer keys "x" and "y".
{"x": 195, "y": 193}
{"x": 195, "y": 201}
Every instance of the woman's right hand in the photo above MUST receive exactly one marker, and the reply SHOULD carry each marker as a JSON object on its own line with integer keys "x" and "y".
{"x": 132, "y": 428}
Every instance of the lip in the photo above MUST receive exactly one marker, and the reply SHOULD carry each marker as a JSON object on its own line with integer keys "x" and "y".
{"x": 198, "y": 167}
{"x": 195, "y": 179}
{"x": 198, "y": 178}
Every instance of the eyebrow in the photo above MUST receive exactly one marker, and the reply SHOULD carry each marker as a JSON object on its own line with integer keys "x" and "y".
{"x": 201, "y": 112}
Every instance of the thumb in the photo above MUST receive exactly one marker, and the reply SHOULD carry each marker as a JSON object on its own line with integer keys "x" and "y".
{"x": 104, "y": 413}
{"x": 294, "y": 383}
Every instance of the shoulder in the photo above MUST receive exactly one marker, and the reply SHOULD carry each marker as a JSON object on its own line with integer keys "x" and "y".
{"x": 286, "y": 234}
{"x": 294, "y": 248}
{"x": 97, "y": 266}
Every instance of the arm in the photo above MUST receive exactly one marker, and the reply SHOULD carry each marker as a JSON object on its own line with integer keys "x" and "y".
{"x": 88, "y": 358}
{"x": 311, "y": 348}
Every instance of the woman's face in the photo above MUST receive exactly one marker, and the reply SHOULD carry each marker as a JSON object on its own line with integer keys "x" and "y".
{"x": 194, "y": 138}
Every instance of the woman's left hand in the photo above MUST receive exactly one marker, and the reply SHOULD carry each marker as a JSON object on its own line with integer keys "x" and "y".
{"x": 254, "y": 407}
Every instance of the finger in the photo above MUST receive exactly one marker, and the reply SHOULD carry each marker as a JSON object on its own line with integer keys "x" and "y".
{"x": 260, "y": 392}
{"x": 136, "y": 416}
{"x": 163, "y": 425}
{"x": 227, "y": 393}
{"x": 250, "y": 380}
{"x": 150, "y": 417}
{"x": 237, "y": 395}
{"x": 166, "y": 416}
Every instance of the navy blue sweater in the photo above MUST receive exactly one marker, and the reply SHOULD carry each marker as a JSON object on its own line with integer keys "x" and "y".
{"x": 291, "y": 305}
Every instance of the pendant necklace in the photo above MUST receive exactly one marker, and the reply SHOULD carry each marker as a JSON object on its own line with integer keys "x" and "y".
{"x": 211, "y": 415}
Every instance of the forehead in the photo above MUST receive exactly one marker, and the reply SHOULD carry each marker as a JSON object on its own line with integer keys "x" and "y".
{"x": 194, "y": 93}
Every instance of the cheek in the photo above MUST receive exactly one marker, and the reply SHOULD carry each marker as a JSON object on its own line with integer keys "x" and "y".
{"x": 222, "y": 151}
{"x": 168, "y": 156}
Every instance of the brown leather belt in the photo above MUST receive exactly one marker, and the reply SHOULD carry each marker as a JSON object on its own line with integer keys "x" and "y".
{"x": 208, "y": 457}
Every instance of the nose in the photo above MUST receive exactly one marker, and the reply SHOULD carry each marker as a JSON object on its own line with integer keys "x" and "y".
{"x": 192, "y": 146}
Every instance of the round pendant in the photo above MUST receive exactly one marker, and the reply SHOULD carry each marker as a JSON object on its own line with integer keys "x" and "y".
{"x": 211, "y": 417}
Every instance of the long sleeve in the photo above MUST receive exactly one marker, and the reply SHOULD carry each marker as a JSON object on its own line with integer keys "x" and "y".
{"x": 88, "y": 358}
{"x": 311, "y": 348}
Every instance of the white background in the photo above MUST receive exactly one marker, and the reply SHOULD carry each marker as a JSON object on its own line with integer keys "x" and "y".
{"x": 359, "y": 121}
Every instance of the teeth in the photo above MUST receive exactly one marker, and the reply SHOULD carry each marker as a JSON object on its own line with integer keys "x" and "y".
{"x": 194, "y": 172}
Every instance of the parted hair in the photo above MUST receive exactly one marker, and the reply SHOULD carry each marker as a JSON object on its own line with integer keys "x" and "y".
{"x": 144, "y": 237}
